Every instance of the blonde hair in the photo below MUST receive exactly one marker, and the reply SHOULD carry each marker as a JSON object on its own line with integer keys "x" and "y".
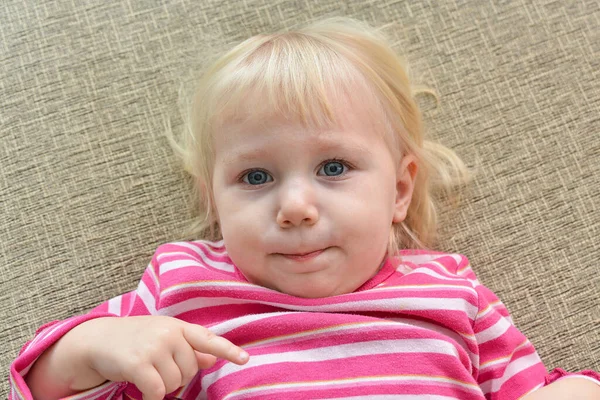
{"x": 294, "y": 74}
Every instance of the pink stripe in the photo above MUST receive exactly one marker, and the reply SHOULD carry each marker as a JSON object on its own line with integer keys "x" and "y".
{"x": 494, "y": 372}
{"x": 212, "y": 253}
{"x": 127, "y": 302}
{"x": 498, "y": 347}
{"x": 365, "y": 391}
{"x": 520, "y": 383}
{"x": 356, "y": 335}
{"x": 213, "y": 315}
{"x": 488, "y": 320}
{"x": 150, "y": 283}
{"x": 192, "y": 256}
{"x": 257, "y": 293}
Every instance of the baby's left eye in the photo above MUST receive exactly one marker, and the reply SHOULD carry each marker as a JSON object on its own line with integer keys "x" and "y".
{"x": 332, "y": 168}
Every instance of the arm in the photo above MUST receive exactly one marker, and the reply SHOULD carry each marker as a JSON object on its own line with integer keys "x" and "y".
{"x": 509, "y": 366}
{"x": 567, "y": 388}
{"x": 62, "y": 369}
{"x": 156, "y": 353}
{"x": 51, "y": 360}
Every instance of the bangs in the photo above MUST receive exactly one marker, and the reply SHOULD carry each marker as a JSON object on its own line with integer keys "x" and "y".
{"x": 293, "y": 76}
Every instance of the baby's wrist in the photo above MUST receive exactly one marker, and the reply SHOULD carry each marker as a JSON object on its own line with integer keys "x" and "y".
{"x": 84, "y": 376}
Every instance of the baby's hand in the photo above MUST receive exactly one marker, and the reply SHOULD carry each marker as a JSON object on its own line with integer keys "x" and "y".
{"x": 158, "y": 354}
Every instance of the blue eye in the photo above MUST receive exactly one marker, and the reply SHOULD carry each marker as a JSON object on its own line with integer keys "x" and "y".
{"x": 332, "y": 168}
{"x": 257, "y": 177}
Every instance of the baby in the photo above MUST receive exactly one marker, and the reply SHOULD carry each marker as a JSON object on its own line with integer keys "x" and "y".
{"x": 315, "y": 278}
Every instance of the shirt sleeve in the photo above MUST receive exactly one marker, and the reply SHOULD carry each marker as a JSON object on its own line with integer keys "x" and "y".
{"x": 142, "y": 301}
{"x": 509, "y": 366}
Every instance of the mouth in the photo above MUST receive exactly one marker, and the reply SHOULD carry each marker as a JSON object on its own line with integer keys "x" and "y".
{"x": 302, "y": 256}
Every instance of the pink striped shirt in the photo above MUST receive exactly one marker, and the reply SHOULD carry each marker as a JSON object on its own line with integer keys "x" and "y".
{"x": 423, "y": 326}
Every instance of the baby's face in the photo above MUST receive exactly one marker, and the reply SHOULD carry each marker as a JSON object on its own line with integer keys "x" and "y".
{"x": 303, "y": 212}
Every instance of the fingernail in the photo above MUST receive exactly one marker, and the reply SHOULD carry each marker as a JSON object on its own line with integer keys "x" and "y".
{"x": 243, "y": 356}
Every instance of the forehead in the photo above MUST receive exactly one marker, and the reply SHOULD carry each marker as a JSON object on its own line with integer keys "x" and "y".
{"x": 353, "y": 122}
{"x": 321, "y": 109}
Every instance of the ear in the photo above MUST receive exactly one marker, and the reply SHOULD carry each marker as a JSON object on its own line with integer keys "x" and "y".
{"x": 405, "y": 183}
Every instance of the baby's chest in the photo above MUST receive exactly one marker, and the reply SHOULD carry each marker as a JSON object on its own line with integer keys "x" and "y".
{"x": 321, "y": 355}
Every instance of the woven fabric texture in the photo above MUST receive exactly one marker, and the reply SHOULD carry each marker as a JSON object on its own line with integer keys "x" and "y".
{"x": 89, "y": 186}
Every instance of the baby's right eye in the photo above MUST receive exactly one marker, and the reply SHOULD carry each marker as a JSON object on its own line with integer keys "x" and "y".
{"x": 257, "y": 177}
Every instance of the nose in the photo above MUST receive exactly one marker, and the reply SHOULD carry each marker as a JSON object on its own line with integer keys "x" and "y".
{"x": 297, "y": 205}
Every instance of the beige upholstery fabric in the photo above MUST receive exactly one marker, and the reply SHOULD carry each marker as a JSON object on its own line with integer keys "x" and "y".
{"x": 89, "y": 186}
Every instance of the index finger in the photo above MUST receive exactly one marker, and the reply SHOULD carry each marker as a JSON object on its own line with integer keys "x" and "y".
{"x": 205, "y": 341}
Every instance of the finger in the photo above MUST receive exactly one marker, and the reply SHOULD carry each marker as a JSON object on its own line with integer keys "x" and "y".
{"x": 185, "y": 358}
{"x": 204, "y": 341}
{"x": 148, "y": 381}
{"x": 170, "y": 374}
{"x": 205, "y": 361}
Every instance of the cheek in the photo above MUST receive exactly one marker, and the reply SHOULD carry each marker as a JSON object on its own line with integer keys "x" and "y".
{"x": 366, "y": 216}
{"x": 376, "y": 199}
{"x": 239, "y": 219}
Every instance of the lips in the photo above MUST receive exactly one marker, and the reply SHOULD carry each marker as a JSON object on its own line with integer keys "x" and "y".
{"x": 302, "y": 256}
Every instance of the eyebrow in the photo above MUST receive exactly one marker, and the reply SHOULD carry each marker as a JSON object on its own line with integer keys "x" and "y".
{"x": 244, "y": 156}
{"x": 252, "y": 154}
